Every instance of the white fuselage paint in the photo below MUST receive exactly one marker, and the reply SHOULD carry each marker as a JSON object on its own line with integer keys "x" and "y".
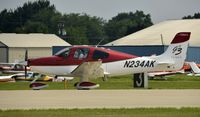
{"x": 123, "y": 67}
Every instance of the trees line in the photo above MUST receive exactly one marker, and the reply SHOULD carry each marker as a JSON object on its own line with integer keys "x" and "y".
{"x": 42, "y": 17}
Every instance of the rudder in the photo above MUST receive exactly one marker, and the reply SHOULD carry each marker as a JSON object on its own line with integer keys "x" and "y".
{"x": 177, "y": 50}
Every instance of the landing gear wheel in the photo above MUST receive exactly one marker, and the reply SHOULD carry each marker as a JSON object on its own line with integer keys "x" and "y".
{"x": 86, "y": 85}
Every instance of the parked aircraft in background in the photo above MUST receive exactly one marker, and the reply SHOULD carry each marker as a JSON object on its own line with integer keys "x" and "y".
{"x": 12, "y": 68}
{"x": 29, "y": 77}
{"x": 92, "y": 62}
{"x": 195, "y": 69}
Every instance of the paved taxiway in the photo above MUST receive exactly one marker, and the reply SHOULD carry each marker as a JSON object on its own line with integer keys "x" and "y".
{"x": 45, "y": 99}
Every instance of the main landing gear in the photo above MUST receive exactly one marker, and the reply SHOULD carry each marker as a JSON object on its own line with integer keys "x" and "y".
{"x": 86, "y": 85}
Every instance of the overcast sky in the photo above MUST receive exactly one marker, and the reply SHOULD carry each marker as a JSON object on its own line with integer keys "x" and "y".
{"x": 159, "y": 10}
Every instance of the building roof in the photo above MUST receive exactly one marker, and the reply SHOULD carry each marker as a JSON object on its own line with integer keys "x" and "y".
{"x": 168, "y": 29}
{"x": 31, "y": 40}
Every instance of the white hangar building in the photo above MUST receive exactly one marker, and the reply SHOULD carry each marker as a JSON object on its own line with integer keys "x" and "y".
{"x": 13, "y": 46}
{"x": 149, "y": 41}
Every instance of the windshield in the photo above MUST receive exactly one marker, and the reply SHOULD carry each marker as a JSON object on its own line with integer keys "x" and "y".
{"x": 63, "y": 52}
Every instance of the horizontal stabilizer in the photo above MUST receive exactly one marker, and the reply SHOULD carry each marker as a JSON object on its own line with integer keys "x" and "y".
{"x": 166, "y": 63}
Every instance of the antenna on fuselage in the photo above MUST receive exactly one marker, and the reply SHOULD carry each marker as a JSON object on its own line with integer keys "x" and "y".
{"x": 99, "y": 42}
{"x": 161, "y": 37}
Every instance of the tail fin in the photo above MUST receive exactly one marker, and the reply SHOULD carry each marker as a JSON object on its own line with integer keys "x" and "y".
{"x": 194, "y": 67}
{"x": 175, "y": 54}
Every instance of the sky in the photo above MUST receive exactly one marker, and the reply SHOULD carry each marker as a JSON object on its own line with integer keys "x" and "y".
{"x": 160, "y": 10}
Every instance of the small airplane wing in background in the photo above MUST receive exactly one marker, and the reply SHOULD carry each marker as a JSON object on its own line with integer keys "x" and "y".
{"x": 165, "y": 73}
{"x": 10, "y": 78}
{"x": 7, "y": 78}
{"x": 194, "y": 68}
{"x": 88, "y": 70}
{"x": 153, "y": 74}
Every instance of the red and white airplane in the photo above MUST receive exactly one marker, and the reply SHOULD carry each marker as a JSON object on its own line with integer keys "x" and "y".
{"x": 91, "y": 62}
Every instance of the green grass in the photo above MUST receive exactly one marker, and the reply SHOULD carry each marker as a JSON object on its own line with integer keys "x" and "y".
{"x": 137, "y": 112}
{"x": 179, "y": 81}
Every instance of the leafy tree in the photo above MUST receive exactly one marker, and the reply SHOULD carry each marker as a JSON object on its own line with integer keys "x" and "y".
{"x": 76, "y": 36}
{"x": 83, "y": 29}
{"x": 18, "y": 18}
{"x": 195, "y": 16}
{"x": 36, "y": 27}
{"x": 6, "y": 20}
{"x": 42, "y": 17}
{"x": 45, "y": 21}
{"x": 126, "y": 23}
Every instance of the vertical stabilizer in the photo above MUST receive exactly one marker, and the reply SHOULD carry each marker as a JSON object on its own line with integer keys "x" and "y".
{"x": 177, "y": 50}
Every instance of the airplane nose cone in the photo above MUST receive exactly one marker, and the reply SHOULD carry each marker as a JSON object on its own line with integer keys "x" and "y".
{"x": 30, "y": 62}
{"x": 36, "y": 62}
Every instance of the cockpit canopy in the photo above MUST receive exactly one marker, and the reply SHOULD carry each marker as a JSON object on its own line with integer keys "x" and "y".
{"x": 63, "y": 53}
{"x": 82, "y": 53}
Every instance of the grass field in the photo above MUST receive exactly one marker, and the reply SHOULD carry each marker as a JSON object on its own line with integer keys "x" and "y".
{"x": 121, "y": 82}
{"x": 137, "y": 112}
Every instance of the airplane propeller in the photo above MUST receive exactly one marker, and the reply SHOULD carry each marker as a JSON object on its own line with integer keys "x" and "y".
{"x": 26, "y": 60}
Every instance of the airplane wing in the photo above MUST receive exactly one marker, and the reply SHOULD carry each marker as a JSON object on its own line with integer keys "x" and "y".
{"x": 153, "y": 74}
{"x": 164, "y": 73}
{"x": 194, "y": 67}
{"x": 88, "y": 70}
{"x": 7, "y": 63}
{"x": 7, "y": 78}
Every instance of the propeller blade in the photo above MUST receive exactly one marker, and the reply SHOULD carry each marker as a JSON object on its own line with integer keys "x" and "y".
{"x": 26, "y": 59}
{"x": 26, "y": 55}
{"x": 25, "y": 71}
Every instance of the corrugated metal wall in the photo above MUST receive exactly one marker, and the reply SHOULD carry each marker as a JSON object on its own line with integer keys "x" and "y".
{"x": 3, "y": 53}
{"x": 17, "y": 54}
{"x": 193, "y": 53}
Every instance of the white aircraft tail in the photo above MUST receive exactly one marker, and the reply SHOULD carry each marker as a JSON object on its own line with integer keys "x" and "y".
{"x": 194, "y": 67}
{"x": 175, "y": 55}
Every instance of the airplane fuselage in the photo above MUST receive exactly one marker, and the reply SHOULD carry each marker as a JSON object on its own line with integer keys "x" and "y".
{"x": 113, "y": 63}
{"x": 115, "y": 68}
